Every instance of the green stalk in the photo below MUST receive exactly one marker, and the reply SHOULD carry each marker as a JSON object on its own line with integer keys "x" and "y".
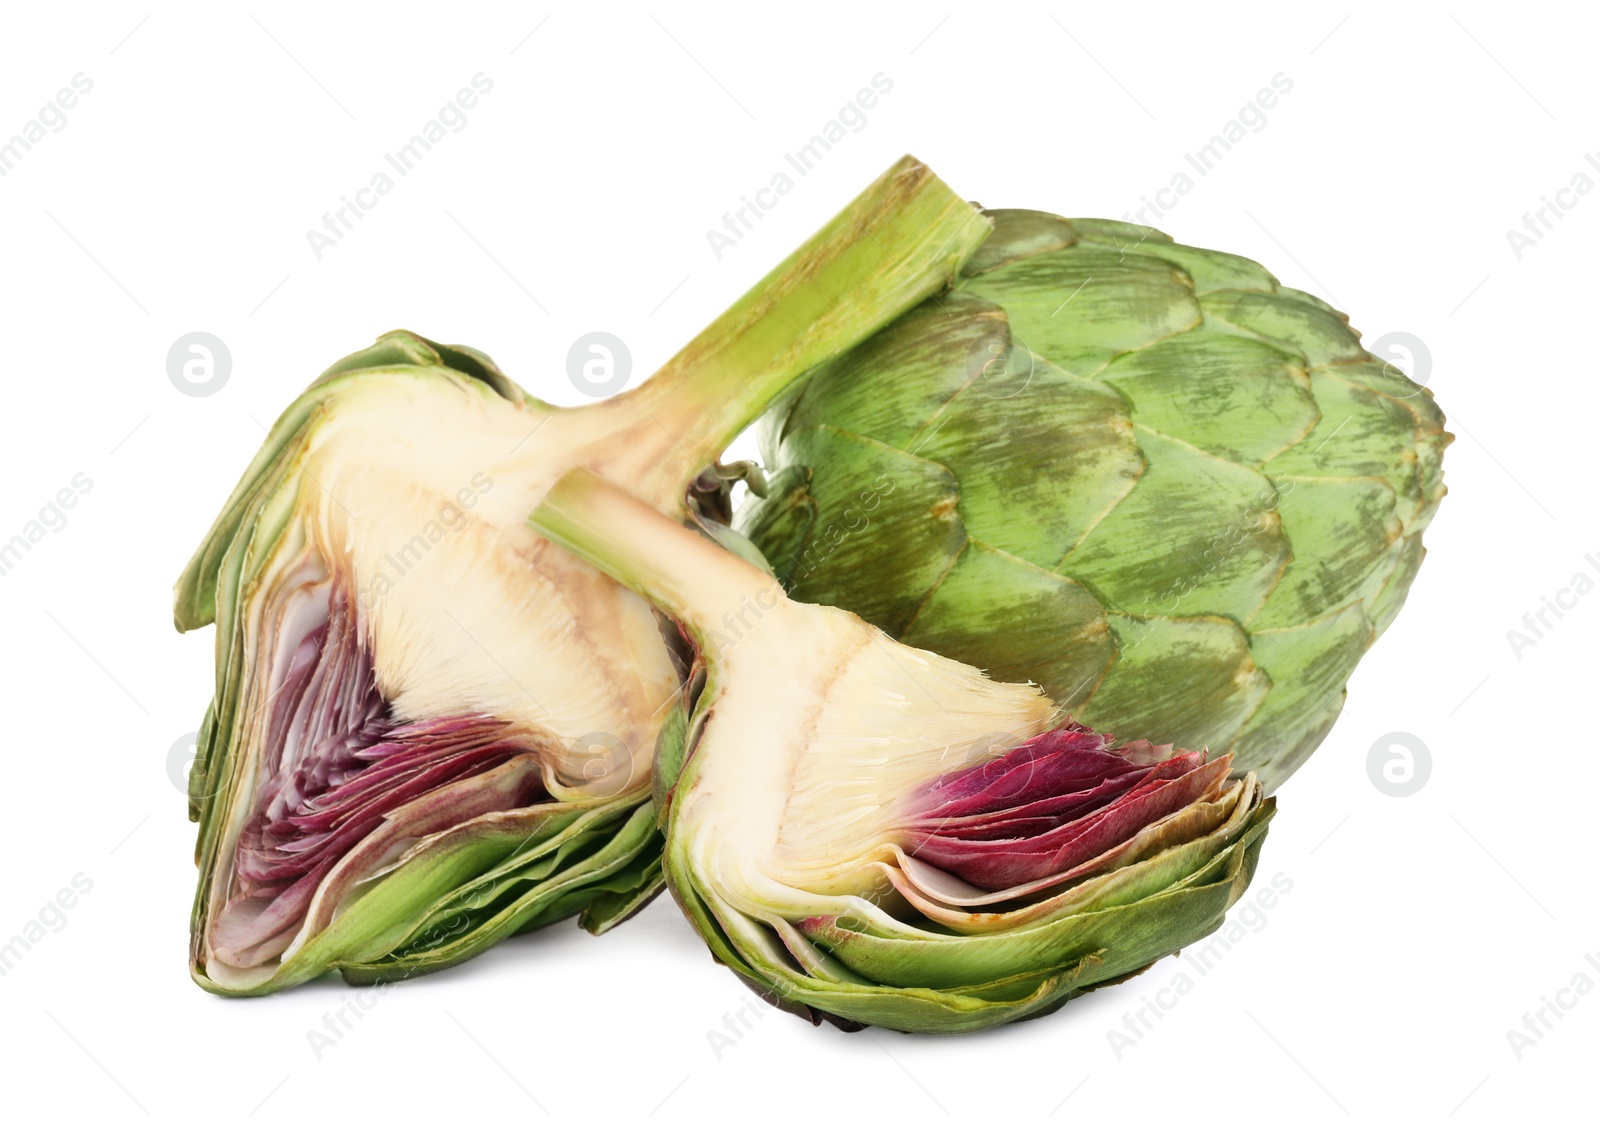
{"x": 675, "y": 568}
{"x": 900, "y": 241}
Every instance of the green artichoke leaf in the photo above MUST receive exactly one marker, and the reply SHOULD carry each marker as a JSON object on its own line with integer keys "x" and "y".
{"x": 1308, "y": 665}
{"x": 1080, "y": 307}
{"x": 940, "y": 349}
{"x": 1386, "y": 605}
{"x": 1237, "y": 398}
{"x": 1056, "y": 632}
{"x": 1347, "y": 536}
{"x": 1080, "y": 459}
{"x": 895, "y": 521}
{"x": 1208, "y": 270}
{"x": 1019, "y": 234}
{"x": 1361, "y": 433}
{"x": 1320, "y": 332}
{"x": 1136, "y": 933}
{"x": 781, "y": 519}
{"x": 1118, "y": 234}
{"x": 1184, "y": 680}
{"x": 1230, "y": 551}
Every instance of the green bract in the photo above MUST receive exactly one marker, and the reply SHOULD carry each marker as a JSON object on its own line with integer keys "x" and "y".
{"x": 1181, "y": 497}
{"x": 874, "y": 834}
{"x": 430, "y": 727}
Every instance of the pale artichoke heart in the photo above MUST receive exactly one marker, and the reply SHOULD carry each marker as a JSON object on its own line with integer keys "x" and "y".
{"x": 857, "y": 725}
{"x": 460, "y": 599}
{"x": 419, "y": 658}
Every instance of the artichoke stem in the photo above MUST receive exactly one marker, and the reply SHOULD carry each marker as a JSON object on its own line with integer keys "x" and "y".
{"x": 686, "y": 575}
{"x": 901, "y": 240}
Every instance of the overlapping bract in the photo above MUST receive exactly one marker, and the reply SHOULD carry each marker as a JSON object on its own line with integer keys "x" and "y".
{"x": 1179, "y": 495}
{"x": 986, "y": 924}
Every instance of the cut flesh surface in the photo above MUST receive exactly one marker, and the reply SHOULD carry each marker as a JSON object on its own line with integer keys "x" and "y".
{"x": 885, "y": 834}
{"x": 414, "y": 634}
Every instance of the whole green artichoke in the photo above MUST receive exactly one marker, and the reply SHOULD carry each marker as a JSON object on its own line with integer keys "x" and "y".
{"x": 1179, "y": 496}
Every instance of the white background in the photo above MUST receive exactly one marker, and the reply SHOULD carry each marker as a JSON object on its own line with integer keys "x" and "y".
{"x": 1418, "y": 930}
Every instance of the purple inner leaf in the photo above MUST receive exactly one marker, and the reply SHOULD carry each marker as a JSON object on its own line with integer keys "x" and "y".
{"x": 335, "y": 762}
{"x": 1052, "y": 809}
{"x": 1065, "y": 760}
{"x": 1052, "y": 804}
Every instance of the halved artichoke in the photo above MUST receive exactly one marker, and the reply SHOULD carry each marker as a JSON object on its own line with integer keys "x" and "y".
{"x": 873, "y": 834}
{"x": 431, "y": 728}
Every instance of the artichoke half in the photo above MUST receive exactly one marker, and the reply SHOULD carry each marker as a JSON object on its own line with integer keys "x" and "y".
{"x": 869, "y": 833}
{"x": 1178, "y": 495}
{"x": 431, "y": 728}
